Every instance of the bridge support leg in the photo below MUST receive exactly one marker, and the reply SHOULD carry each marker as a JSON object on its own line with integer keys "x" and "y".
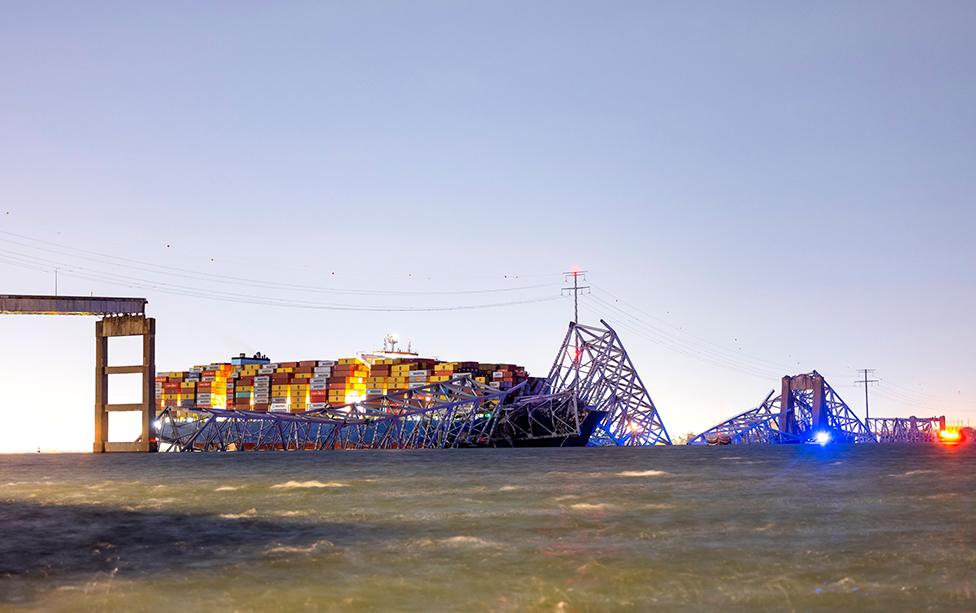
{"x": 125, "y": 325}
{"x": 786, "y": 419}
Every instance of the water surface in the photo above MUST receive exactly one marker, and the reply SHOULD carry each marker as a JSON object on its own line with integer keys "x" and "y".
{"x": 789, "y": 527}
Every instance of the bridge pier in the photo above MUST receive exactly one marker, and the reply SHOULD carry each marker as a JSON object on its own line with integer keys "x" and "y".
{"x": 112, "y": 327}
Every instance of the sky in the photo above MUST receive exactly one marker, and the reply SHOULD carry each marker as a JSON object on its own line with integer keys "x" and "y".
{"x": 754, "y": 189}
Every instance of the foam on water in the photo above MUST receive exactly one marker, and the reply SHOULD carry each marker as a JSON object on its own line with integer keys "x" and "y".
{"x": 304, "y": 485}
{"x": 641, "y": 473}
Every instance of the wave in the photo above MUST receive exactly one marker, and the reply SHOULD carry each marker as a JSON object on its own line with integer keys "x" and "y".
{"x": 641, "y": 473}
{"x": 295, "y": 549}
{"x": 229, "y": 488}
{"x": 912, "y": 473}
{"x": 587, "y": 506}
{"x": 301, "y": 485}
{"x": 462, "y": 540}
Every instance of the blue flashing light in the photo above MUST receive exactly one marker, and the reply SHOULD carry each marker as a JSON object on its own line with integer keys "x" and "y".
{"x": 822, "y": 437}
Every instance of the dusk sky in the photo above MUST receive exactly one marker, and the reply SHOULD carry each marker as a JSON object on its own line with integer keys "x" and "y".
{"x": 755, "y": 189}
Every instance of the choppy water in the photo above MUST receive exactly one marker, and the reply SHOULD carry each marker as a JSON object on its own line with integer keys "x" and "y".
{"x": 791, "y": 527}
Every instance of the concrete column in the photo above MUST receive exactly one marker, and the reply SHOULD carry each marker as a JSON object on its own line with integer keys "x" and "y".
{"x": 101, "y": 389}
{"x": 125, "y": 325}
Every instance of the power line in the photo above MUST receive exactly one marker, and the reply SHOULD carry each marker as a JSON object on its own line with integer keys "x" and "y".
{"x": 693, "y": 339}
{"x": 194, "y": 292}
{"x": 692, "y": 349}
{"x": 198, "y": 275}
{"x": 647, "y": 332}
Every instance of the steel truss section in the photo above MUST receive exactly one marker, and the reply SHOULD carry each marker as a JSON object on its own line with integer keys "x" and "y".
{"x": 593, "y": 364}
{"x": 813, "y": 406}
{"x": 841, "y": 420}
{"x": 758, "y": 425}
{"x": 532, "y": 418}
{"x": 906, "y": 429}
{"x": 456, "y": 413}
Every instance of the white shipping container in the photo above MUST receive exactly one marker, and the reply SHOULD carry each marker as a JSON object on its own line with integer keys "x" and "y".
{"x": 417, "y": 373}
{"x": 327, "y": 362}
{"x": 413, "y": 385}
{"x": 318, "y": 387}
{"x": 375, "y": 391}
{"x": 318, "y": 405}
{"x": 497, "y": 374}
{"x": 266, "y": 370}
{"x": 495, "y": 384}
{"x": 278, "y": 408}
{"x": 319, "y": 380}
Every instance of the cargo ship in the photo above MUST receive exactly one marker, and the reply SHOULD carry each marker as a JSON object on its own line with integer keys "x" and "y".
{"x": 385, "y": 398}
{"x": 393, "y": 399}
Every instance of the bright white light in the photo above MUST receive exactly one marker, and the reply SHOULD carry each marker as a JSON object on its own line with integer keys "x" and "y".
{"x": 822, "y": 437}
{"x": 158, "y": 424}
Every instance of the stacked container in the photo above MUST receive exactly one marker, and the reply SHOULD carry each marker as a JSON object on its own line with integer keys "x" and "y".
{"x": 506, "y": 376}
{"x": 262, "y": 389}
{"x": 281, "y": 387}
{"x": 348, "y": 381}
{"x": 378, "y": 382}
{"x": 297, "y": 387}
{"x": 319, "y": 384}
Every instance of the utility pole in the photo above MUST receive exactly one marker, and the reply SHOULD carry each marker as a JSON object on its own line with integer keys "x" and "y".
{"x": 576, "y": 289}
{"x": 865, "y": 372}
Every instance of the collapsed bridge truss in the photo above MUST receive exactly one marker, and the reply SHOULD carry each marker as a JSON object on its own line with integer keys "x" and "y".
{"x": 806, "y": 407}
{"x": 593, "y": 394}
{"x": 593, "y": 363}
{"x": 455, "y": 413}
{"x": 907, "y": 429}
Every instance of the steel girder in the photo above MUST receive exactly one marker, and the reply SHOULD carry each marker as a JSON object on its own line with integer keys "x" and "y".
{"x": 758, "y": 425}
{"x": 593, "y": 364}
{"x": 764, "y": 423}
{"x": 841, "y": 420}
{"x": 906, "y": 429}
{"x": 531, "y": 418}
{"x": 457, "y": 413}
